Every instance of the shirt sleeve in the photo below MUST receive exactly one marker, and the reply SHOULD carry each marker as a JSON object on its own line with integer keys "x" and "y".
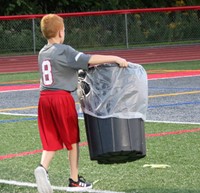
{"x": 73, "y": 58}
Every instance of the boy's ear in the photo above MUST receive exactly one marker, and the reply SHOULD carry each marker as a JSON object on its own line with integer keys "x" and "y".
{"x": 59, "y": 33}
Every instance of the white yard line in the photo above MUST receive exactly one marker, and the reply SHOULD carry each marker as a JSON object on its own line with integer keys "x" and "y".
{"x": 149, "y": 121}
{"x": 19, "y": 90}
{"x": 33, "y": 185}
{"x": 174, "y": 122}
{"x": 18, "y": 114}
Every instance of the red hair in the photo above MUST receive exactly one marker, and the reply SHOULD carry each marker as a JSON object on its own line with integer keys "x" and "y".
{"x": 50, "y": 25}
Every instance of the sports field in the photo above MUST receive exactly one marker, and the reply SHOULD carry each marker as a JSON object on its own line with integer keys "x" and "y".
{"x": 172, "y": 137}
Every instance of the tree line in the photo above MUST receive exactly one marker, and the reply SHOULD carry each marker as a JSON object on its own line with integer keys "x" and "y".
{"x": 21, "y": 7}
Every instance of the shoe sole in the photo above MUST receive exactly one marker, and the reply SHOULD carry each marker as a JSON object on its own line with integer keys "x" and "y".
{"x": 43, "y": 184}
{"x": 78, "y": 189}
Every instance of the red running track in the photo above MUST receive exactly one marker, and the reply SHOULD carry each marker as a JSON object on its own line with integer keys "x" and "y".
{"x": 28, "y": 63}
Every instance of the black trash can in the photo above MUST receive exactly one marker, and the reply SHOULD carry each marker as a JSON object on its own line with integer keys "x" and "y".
{"x": 114, "y": 103}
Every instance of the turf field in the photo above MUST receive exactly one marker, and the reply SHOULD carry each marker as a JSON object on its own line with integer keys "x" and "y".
{"x": 175, "y": 145}
{"x": 180, "y": 151}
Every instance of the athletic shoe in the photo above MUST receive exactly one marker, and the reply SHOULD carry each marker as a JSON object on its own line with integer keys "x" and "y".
{"x": 42, "y": 180}
{"x": 80, "y": 185}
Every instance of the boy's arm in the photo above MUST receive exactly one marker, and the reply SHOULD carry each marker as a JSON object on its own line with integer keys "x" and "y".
{"x": 100, "y": 59}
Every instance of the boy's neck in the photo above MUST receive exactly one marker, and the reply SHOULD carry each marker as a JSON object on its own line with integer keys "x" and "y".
{"x": 54, "y": 41}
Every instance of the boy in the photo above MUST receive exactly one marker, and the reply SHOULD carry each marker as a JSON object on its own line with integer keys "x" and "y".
{"x": 57, "y": 116}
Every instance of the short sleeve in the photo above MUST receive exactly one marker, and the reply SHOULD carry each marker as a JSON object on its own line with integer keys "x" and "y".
{"x": 72, "y": 58}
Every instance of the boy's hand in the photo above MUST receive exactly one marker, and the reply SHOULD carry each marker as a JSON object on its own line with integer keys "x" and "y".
{"x": 102, "y": 59}
{"x": 122, "y": 62}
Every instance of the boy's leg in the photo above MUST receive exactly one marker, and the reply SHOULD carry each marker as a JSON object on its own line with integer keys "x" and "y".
{"x": 76, "y": 182}
{"x": 73, "y": 161}
{"x": 46, "y": 158}
{"x": 41, "y": 172}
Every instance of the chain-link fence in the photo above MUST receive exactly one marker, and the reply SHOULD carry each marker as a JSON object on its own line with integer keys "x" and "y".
{"x": 106, "y": 31}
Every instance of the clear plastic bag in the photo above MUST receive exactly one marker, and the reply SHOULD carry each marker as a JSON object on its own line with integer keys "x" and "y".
{"x": 110, "y": 91}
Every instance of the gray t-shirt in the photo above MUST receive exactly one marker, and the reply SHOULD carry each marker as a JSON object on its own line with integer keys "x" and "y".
{"x": 59, "y": 65}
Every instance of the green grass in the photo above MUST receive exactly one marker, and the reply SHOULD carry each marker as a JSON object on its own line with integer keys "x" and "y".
{"x": 189, "y": 65}
{"x": 181, "y": 152}
{"x": 16, "y": 78}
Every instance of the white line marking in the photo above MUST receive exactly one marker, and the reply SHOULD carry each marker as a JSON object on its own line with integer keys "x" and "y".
{"x": 150, "y": 121}
{"x": 173, "y": 122}
{"x": 33, "y": 185}
{"x": 18, "y": 114}
{"x": 19, "y": 90}
{"x": 28, "y": 115}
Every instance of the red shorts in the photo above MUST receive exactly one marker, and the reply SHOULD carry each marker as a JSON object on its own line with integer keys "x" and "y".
{"x": 57, "y": 120}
